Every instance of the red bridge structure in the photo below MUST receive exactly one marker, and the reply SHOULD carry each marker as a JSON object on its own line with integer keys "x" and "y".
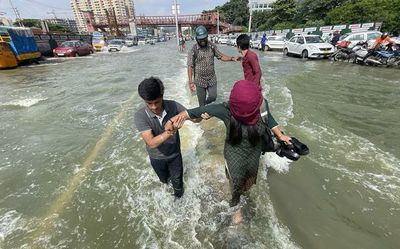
{"x": 111, "y": 22}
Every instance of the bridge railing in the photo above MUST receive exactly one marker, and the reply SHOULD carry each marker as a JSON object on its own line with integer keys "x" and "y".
{"x": 204, "y": 19}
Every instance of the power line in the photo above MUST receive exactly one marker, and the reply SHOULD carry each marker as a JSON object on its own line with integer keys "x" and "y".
{"x": 17, "y": 16}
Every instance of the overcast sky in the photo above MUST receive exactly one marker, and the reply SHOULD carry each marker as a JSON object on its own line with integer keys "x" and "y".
{"x": 41, "y": 8}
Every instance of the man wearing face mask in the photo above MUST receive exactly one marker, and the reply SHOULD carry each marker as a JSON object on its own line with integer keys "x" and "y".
{"x": 200, "y": 63}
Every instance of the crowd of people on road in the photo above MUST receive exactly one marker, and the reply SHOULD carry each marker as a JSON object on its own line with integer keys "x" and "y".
{"x": 159, "y": 120}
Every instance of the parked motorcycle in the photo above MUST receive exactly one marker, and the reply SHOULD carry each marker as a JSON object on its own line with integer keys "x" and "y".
{"x": 343, "y": 52}
{"x": 364, "y": 56}
{"x": 390, "y": 56}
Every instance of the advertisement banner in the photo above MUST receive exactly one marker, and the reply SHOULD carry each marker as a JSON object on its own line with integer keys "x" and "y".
{"x": 339, "y": 27}
{"x": 297, "y": 31}
{"x": 312, "y": 29}
{"x": 368, "y": 25}
{"x": 325, "y": 29}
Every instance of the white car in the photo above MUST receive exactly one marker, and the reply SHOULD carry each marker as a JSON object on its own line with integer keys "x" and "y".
{"x": 223, "y": 40}
{"x": 356, "y": 37}
{"x": 308, "y": 46}
{"x": 255, "y": 43}
{"x": 115, "y": 45}
{"x": 274, "y": 42}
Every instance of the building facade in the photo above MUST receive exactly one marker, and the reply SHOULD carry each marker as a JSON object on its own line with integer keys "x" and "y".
{"x": 101, "y": 9}
{"x": 67, "y": 23}
{"x": 260, "y": 5}
{"x": 5, "y": 22}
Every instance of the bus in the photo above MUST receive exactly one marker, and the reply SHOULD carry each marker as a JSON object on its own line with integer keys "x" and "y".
{"x": 98, "y": 41}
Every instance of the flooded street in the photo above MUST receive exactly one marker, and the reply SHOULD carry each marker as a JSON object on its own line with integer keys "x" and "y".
{"x": 75, "y": 173}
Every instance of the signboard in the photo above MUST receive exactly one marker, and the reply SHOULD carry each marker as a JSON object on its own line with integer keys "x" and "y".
{"x": 312, "y": 29}
{"x": 368, "y": 25}
{"x": 354, "y": 26}
{"x": 325, "y": 29}
{"x": 339, "y": 27}
{"x": 297, "y": 31}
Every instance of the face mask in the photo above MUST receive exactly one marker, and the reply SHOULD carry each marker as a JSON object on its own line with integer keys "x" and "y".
{"x": 202, "y": 42}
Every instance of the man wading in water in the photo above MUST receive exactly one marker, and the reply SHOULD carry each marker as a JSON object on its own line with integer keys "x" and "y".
{"x": 200, "y": 64}
{"x": 158, "y": 131}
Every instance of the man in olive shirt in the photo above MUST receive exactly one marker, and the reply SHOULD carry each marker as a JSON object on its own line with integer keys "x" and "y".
{"x": 200, "y": 63}
{"x": 158, "y": 131}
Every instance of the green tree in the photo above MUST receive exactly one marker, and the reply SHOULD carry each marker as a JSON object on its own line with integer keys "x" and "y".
{"x": 29, "y": 23}
{"x": 235, "y": 12}
{"x": 386, "y": 11}
{"x": 312, "y": 10}
{"x": 57, "y": 28}
{"x": 283, "y": 11}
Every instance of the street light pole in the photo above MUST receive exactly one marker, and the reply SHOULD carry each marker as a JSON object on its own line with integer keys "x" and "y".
{"x": 251, "y": 14}
{"x": 218, "y": 22}
{"x": 176, "y": 22}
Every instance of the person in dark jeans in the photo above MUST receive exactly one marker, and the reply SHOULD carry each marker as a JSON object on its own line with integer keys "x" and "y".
{"x": 162, "y": 140}
{"x": 200, "y": 67}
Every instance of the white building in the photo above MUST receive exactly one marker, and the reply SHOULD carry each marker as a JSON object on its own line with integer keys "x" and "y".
{"x": 4, "y": 21}
{"x": 122, "y": 8}
{"x": 260, "y": 5}
{"x": 67, "y": 23}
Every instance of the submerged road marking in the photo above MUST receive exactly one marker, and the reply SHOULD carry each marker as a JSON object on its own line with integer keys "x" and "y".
{"x": 66, "y": 197}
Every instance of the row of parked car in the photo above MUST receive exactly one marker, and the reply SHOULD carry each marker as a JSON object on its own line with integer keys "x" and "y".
{"x": 306, "y": 46}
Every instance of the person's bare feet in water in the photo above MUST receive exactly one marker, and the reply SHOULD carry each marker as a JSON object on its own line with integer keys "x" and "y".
{"x": 237, "y": 217}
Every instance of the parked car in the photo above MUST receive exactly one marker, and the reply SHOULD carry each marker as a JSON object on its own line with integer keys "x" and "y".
{"x": 142, "y": 41}
{"x": 356, "y": 37}
{"x": 73, "y": 48}
{"x": 115, "y": 45}
{"x": 223, "y": 39}
{"x": 231, "y": 41}
{"x": 274, "y": 42}
{"x": 255, "y": 43}
{"x": 129, "y": 42}
{"x": 308, "y": 46}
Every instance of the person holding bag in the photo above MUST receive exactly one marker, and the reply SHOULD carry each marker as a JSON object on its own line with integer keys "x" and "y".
{"x": 244, "y": 128}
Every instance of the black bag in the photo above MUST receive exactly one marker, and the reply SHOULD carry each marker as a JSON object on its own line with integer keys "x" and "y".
{"x": 268, "y": 141}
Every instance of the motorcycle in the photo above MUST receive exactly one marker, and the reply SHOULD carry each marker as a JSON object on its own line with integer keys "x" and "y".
{"x": 364, "y": 56}
{"x": 390, "y": 56}
{"x": 343, "y": 52}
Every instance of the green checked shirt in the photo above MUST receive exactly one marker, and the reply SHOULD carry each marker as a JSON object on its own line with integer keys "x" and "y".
{"x": 202, "y": 61}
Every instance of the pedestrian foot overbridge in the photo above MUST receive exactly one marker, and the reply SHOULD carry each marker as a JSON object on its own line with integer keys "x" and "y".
{"x": 209, "y": 20}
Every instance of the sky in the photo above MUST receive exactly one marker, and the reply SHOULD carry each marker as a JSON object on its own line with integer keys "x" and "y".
{"x": 62, "y": 9}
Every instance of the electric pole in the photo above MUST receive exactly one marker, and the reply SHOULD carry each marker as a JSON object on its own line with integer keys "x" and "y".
{"x": 17, "y": 16}
{"x": 176, "y": 21}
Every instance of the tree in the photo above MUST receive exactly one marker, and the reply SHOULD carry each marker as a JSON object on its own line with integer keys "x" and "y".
{"x": 385, "y": 11}
{"x": 29, "y": 23}
{"x": 57, "y": 28}
{"x": 283, "y": 11}
{"x": 235, "y": 12}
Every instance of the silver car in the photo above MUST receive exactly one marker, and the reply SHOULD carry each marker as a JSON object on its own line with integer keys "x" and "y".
{"x": 274, "y": 42}
{"x": 115, "y": 45}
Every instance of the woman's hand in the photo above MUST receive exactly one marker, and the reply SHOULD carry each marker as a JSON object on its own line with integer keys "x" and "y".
{"x": 280, "y": 136}
{"x": 179, "y": 119}
{"x": 285, "y": 139}
{"x": 205, "y": 116}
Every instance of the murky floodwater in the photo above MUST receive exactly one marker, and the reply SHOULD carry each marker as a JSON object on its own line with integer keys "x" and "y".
{"x": 75, "y": 174}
